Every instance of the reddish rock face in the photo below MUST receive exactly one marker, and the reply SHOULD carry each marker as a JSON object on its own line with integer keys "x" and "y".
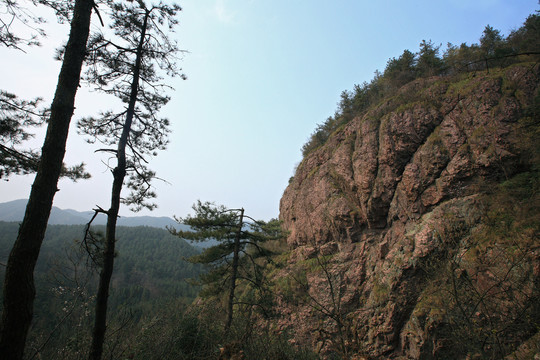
{"x": 377, "y": 194}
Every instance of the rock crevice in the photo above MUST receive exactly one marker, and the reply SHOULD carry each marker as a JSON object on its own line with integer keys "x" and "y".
{"x": 382, "y": 194}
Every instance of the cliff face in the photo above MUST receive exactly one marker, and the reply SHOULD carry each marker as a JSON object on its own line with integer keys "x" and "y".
{"x": 391, "y": 255}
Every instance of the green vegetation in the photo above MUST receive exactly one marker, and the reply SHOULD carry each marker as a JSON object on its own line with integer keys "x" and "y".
{"x": 193, "y": 335}
{"x": 493, "y": 51}
{"x": 17, "y": 116}
{"x": 19, "y": 288}
{"x": 236, "y": 256}
{"x": 150, "y": 275}
{"x": 130, "y": 65}
{"x": 150, "y": 261}
{"x": 483, "y": 298}
{"x": 150, "y": 312}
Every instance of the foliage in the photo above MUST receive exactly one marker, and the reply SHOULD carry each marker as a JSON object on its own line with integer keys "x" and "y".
{"x": 131, "y": 67}
{"x": 491, "y": 41}
{"x": 429, "y": 63}
{"x": 237, "y": 256}
{"x": 195, "y": 335}
{"x": 400, "y": 71}
{"x": 150, "y": 274}
{"x": 493, "y": 51}
{"x": 526, "y": 38}
{"x": 16, "y": 116}
{"x": 319, "y": 283}
{"x": 223, "y": 225}
{"x": 14, "y": 13}
{"x": 19, "y": 289}
{"x": 175, "y": 335}
{"x": 484, "y": 295}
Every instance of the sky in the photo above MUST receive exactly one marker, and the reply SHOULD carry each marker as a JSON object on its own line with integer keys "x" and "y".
{"x": 261, "y": 74}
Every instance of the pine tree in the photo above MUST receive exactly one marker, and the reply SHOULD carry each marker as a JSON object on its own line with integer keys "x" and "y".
{"x": 19, "y": 288}
{"x": 428, "y": 62}
{"x": 239, "y": 241}
{"x": 129, "y": 67}
{"x": 17, "y": 117}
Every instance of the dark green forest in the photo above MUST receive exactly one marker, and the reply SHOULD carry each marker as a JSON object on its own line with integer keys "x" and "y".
{"x": 150, "y": 273}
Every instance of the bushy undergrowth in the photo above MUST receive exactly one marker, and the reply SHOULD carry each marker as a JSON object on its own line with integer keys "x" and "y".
{"x": 482, "y": 301}
{"x": 199, "y": 334}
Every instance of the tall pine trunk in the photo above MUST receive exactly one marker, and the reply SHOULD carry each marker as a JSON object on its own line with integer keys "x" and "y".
{"x": 19, "y": 288}
{"x": 119, "y": 173}
{"x": 234, "y": 272}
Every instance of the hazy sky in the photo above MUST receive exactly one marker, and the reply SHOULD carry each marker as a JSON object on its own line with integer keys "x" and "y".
{"x": 261, "y": 75}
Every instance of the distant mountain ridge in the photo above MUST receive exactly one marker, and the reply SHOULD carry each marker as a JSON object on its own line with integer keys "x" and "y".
{"x": 14, "y": 211}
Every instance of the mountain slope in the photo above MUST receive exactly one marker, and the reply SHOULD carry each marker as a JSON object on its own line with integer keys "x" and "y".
{"x": 412, "y": 215}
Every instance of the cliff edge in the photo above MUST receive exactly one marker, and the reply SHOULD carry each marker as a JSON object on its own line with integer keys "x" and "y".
{"x": 414, "y": 230}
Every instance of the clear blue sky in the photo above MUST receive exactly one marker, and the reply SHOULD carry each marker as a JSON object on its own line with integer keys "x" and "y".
{"x": 261, "y": 75}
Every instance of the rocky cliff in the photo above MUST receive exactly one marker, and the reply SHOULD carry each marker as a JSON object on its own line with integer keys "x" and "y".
{"x": 414, "y": 229}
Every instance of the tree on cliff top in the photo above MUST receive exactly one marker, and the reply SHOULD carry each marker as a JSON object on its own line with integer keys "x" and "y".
{"x": 493, "y": 50}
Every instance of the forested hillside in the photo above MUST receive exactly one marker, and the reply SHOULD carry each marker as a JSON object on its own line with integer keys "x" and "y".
{"x": 151, "y": 273}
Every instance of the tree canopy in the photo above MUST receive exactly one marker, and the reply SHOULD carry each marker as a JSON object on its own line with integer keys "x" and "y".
{"x": 130, "y": 66}
{"x": 16, "y": 117}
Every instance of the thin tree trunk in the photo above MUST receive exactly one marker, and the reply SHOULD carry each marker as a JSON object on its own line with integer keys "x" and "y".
{"x": 234, "y": 275}
{"x": 19, "y": 288}
{"x": 100, "y": 324}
